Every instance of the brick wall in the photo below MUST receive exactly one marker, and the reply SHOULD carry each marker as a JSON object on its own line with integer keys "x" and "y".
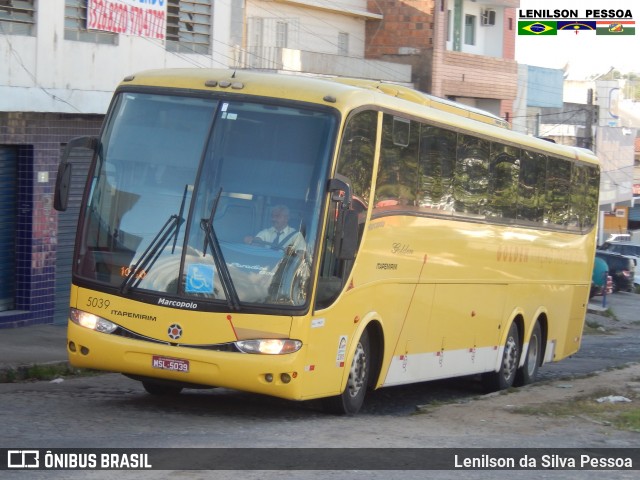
{"x": 411, "y": 24}
{"x": 510, "y": 27}
{"x": 406, "y": 24}
{"x": 469, "y": 75}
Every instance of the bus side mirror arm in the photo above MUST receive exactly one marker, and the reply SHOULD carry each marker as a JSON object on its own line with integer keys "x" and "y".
{"x": 63, "y": 177}
{"x": 340, "y": 188}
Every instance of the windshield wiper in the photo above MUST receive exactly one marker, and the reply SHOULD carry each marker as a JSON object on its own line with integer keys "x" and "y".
{"x": 150, "y": 255}
{"x": 184, "y": 198}
{"x": 161, "y": 240}
{"x": 211, "y": 238}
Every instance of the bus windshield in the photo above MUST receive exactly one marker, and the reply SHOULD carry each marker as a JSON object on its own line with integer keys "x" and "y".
{"x": 207, "y": 199}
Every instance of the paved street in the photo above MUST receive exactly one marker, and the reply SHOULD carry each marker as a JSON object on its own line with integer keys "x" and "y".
{"x": 110, "y": 410}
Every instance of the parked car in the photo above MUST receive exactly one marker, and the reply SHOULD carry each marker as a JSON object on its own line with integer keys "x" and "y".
{"x": 619, "y": 237}
{"x": 625, "y": 248}
{"x": 621, "y": 268}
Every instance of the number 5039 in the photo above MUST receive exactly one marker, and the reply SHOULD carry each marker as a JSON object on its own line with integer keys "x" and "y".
{"x": 96, "y": 302}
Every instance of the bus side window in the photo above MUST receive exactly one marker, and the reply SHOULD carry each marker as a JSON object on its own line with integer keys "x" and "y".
{"x": 396, "y": 184}
{"x": 355, "y": 162}
{"x": 531, "y": 188}
{"x": 557, "y": 192}
{"x": 504, "y": 172}
{"x": 471, "y": 176}
{"x": 437, "y": 165}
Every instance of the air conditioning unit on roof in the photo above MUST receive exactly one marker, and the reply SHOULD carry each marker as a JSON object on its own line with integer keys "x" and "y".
{"x": 488, "y": 17}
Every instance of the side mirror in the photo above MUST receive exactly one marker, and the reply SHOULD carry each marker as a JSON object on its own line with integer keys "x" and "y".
{"x": 63, "y": 184}
{"x": 348, "y": 244}
{"x": 63, "y": 178}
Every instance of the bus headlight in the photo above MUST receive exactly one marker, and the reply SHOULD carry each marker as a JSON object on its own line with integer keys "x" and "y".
{"x": 269, "y": 346}
{"x": 91, "y": 321}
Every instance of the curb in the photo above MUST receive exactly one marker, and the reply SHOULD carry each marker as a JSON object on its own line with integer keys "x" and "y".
{"x": 597, "y": 309}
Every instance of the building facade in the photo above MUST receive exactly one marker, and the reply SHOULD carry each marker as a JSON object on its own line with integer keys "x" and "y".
{"x": 586, "y": 114}
{"x": 463, "y": 50}
{"x": 62, "y": 60}
{"x": 314, "y": 36}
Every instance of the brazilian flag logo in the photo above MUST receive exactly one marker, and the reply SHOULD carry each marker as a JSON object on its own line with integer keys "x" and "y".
{"x": 537, "y": 28}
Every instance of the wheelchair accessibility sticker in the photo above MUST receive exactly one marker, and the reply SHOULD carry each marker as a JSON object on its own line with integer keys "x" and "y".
{"x": 199, "y": 278}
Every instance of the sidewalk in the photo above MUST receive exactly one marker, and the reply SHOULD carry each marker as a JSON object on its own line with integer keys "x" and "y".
{"x": 46, "y": 344}
{"x": 34, "y": 345}
{"x": 624, "y": 307}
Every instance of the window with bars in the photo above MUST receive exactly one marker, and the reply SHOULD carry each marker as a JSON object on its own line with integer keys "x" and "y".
{"x": 256, "y": 31}
{"x": 75, "y": 25}
{"x": 273, "y": 32}
{"x": 470, "y": 29}
{"x": 17, "y": 17}
{"x": 343, "y": 43}
{"x": 282, "y": 34}
{"x": 189, "y": 26}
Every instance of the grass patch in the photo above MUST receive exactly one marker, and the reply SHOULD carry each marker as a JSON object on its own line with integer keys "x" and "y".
{"x": 430, "y": 407}
{"x": 593, "y": 327}
{"x": 629, "y": 420}
{"x": 592, "y": 324}
{"x": 43, "y": 372}
{"x": 624, "y": 416}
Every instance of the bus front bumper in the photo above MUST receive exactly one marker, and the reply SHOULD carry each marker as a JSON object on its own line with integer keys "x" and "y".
{"x": 275, "y": 375}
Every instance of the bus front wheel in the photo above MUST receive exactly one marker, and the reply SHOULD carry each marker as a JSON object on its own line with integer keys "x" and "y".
{"x": 506, "y": 374}
{"x": 161, "y": 389}
{"x": 352, "y": 398}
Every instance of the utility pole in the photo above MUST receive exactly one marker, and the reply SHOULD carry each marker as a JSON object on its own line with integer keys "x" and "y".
{"x": 588, "y": 138}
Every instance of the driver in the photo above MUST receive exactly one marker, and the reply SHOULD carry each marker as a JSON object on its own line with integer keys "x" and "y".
{"x": 280, "y": 236}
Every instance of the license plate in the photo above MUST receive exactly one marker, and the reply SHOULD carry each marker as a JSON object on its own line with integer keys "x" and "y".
{"x": 168, "y": 363}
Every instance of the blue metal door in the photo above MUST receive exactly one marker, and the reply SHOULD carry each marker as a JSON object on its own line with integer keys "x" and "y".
{"x": 8, "y": 193}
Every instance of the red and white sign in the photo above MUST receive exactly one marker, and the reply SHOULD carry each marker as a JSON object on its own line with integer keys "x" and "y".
{"x": 142, "y": 18}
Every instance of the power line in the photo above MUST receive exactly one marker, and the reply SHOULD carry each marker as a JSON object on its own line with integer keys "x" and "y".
{"x": 551, "y": 114}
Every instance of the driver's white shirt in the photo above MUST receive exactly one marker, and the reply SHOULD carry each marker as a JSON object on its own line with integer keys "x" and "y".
{"x": 268, "y": 235}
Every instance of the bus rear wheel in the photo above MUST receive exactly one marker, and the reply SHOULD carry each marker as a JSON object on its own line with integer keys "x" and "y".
{"x": 506, "y": 374}
{"x": 529, "y": 371}
{"x": 352, "y": 398}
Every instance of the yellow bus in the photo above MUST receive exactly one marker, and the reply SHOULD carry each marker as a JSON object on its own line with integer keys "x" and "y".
{"x": 417, "y": 239}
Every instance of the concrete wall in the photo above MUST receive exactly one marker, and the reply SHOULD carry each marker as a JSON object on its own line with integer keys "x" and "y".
{"x": 310, "y": 29}
{"x": 313, "y": 28}
{"x": 544, "y": 87}
{"x": 47, "y": 73}
{"x": 615, "y": 149}
{"x": 488, "y": 38}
